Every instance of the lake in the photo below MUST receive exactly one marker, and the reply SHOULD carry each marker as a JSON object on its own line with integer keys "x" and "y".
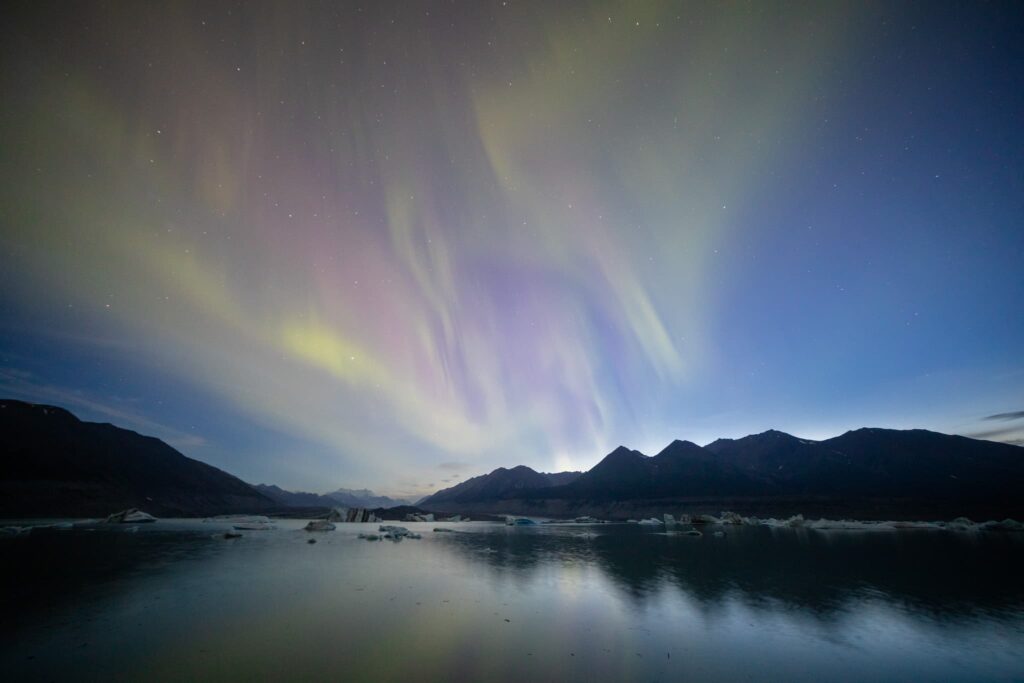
{"x": 487, "y": 602}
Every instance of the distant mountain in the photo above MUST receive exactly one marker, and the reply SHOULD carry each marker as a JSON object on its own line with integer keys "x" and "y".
{"x": 363, "y": 498}
{"x": 867, "y": 471}
{"x": 52, "y": 464}
{"x": 500, "y": 484}
{"x": 294, "y": 499}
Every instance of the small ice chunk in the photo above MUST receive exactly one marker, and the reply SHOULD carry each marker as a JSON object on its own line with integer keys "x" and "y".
{"x": 131, "y": 516}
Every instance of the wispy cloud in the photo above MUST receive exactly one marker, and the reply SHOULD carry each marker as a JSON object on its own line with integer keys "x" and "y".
{"x": 1015, "y": 415}
{"x": 1004, "y": 434}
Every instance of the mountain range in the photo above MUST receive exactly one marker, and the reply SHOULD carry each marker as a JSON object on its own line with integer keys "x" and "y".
{"x": 363, "y": 498}
{"x": 52, "y": 464}
{"x": 866, "y": 473}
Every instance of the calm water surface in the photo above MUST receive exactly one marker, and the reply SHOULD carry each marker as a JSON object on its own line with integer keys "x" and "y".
{"x": 496, "y": 603}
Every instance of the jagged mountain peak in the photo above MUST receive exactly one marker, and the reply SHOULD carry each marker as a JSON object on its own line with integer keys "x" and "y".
{"x": 679, "y": 446}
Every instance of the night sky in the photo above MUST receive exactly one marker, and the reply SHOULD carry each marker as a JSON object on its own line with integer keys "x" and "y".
{"x": 396, "y": 245}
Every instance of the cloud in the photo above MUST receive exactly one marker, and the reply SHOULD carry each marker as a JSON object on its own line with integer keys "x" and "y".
{"x": 1016, "y": 415}
{"x": 453, "y": 466}
{"x": 1007, "y": 434}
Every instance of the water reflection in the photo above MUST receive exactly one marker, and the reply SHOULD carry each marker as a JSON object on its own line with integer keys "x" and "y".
{"x": 489, "y": 602}
{"x": 948, "y": 574}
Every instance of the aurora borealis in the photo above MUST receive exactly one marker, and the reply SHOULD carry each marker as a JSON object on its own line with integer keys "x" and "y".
{"x": 391, "y": 244}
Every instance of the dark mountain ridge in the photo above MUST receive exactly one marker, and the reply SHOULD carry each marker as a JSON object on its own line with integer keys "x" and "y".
{"x": 868, "y": 471}
{"x": 52, "y": 465}
{"x": 500, "y": 484}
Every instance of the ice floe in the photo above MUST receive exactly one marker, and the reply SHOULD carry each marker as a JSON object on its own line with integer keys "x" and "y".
{"x": 255, "y": 526}
{"x": 587, "y": 519}
{"x": 239, "y": 519}
{"x": 960, "y": 524}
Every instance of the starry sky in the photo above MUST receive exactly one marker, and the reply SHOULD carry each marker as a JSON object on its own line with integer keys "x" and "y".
{"x": 395, "y": 245}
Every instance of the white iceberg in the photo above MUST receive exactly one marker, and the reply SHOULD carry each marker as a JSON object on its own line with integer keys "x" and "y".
{"x": 131, "y": 516}
{"x": 653, "y": 521}
{"x": 427, "y": 517}
{"x": 731, "y": 518}
{"x": 319, "y": 525}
